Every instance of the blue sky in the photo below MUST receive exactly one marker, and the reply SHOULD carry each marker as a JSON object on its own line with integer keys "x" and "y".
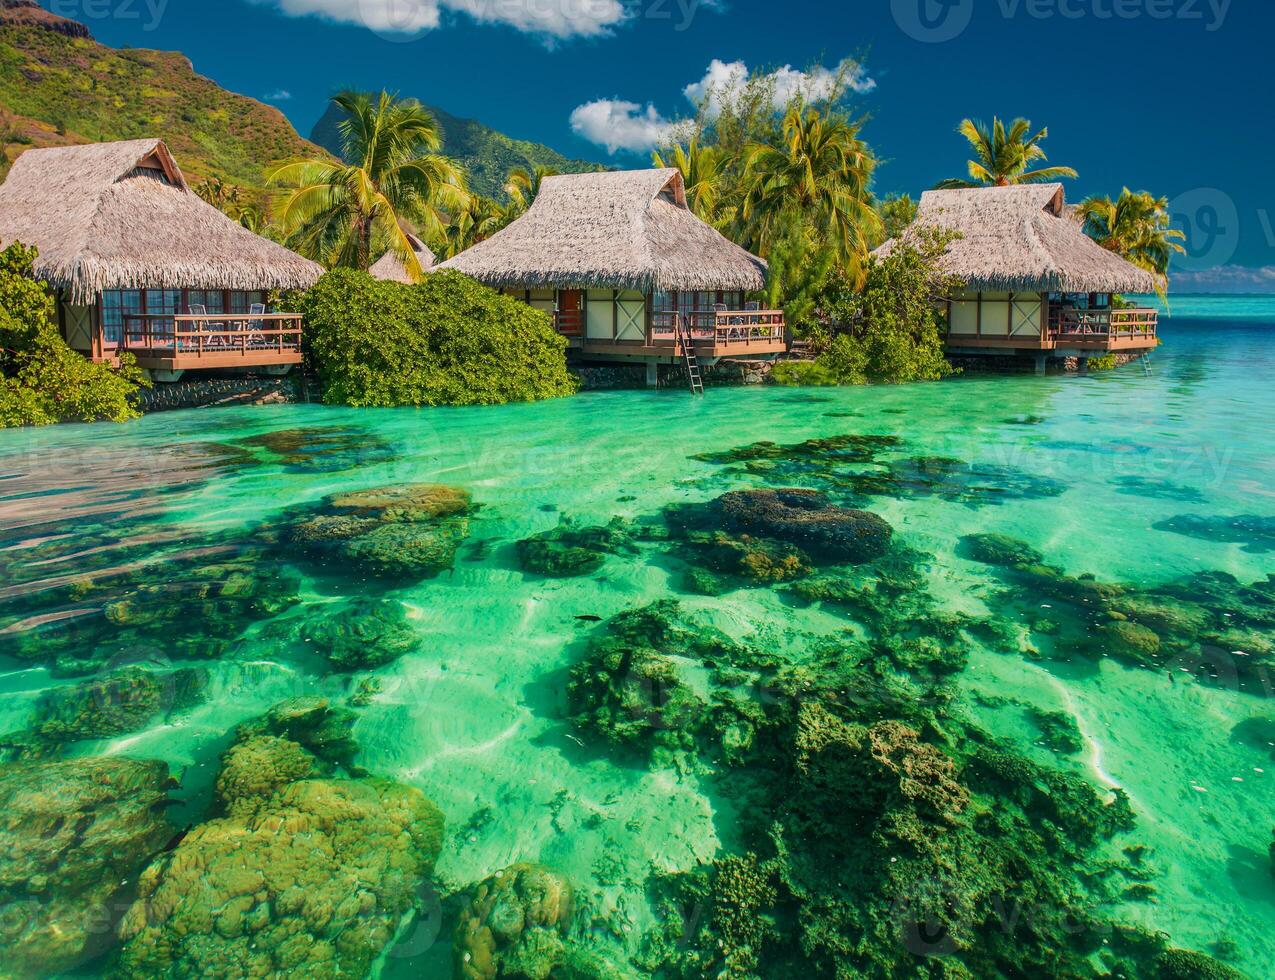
{"x": 1171, "y": 96}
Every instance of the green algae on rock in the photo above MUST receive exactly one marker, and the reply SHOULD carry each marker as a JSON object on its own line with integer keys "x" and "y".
{"x": 514, "y": 926}
{"x": 190, "y": 608}
{"x": 569, "y": 550}
{"x": 399, "y": 532}
{"x": 363, "y": 635}
{"x": 316, "y": 449}
{"x": 323, "y": 729}
{"x": 121, "y": 702}
{"x": 298, "y": 875}
{"x": 76, "y": 834}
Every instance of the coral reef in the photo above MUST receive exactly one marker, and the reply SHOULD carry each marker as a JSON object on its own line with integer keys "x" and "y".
{"x": 513, "y": 926}
{"x": 402, "y": 532}
{"x": 1000, "y": 549}
{"x": 319, "y": 727}
{"x": 316, "y": 449}
{"x": 569, "y": 550}
{"x": 121, "y": 702}
{"x": 76, "y": 833}
{"x": 299, "y": 876}
{"x": 185, "y": 608}
{"x": 1255, "y": 532}
{"x": 768, "y": 536}
{"x": 363, "y": 635}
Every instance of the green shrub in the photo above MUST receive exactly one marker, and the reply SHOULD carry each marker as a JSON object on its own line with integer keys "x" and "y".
{"x": 42, "y": 380}
{"x": 446, "y": 341}
{"x": 891, "y": 330}
{"x": 1105, "y": 363}
{"x": 809, "y": 373}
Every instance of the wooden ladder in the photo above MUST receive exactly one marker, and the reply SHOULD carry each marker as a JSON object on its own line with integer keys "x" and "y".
{"x": 688, "y": 356}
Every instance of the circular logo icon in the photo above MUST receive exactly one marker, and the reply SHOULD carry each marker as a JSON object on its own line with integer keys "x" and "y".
{"x": 932, "y": 21}
{"x": 1211, "y": 222}
{"x": 401, "y": 21}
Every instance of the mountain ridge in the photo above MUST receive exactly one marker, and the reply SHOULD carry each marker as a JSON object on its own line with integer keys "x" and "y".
{"x": 486, "y": 153}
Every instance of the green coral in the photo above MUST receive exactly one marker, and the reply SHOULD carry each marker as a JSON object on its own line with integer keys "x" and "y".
{"x": 407, "y": 532}
{"x": 312, "y": 722}
{"x": 1000, "y": 549}
{"x": 121, "y": 702}
{"x": 513, "y": 926}
{"x": 76, "y": 833}
{"x": 363, "y": 635}
{"x": 569, "y": 550}
{"x": 1185, "y": 964}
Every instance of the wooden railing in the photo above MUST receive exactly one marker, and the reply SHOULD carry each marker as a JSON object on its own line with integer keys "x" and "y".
{"x": 569, "y": 323}
{"x": 1066, "y": 323}
{"x": 719, "y": 327}
{"x": 192, "y": 335}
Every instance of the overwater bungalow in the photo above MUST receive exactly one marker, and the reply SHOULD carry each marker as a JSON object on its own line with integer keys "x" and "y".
{"x": 629, "y": 273}
{"x": 1035, "y": 283}
{"x": 392, "y": 269}
{"x": 140, "y": 264}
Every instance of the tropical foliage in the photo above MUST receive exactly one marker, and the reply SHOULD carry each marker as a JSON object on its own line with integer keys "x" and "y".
{"x": 42, "y": 380}
{"x": 703, "y": 169}
{"x": 1136, "y": 226}
{"x": 1004, "y": 156}
{"x": 446, "y": 341}
{"x": 891, "y": 329}
{"x": 343, "y": 214}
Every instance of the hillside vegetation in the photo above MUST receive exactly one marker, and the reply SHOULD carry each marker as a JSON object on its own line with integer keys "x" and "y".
{"x": 486, "y": 155}
{"x": 57, "y": 89}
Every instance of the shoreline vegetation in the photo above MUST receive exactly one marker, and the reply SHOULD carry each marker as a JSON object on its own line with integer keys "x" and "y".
{"x": 794, "y": 187}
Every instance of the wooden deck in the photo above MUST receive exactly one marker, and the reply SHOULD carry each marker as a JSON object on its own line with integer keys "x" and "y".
{"x": 185, "y": 342}
{"x": 715, "y": 334}
{"x": 1069, "y": 330}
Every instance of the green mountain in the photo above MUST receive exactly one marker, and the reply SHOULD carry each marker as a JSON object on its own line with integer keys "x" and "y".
{"x": 59, "y": 86}
{"x": 486, "y": 154}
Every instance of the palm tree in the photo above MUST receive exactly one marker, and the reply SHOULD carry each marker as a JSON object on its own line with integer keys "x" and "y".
{"x": 1136, "y": 226}
{"x": 703, "y": 173}
{"x": 522, "y": 186}
{"x": 818, "y": 168}
{"x": 336, "y": 212}
{"x": 1003, "y": 157}
{"x": 480, "y": 218}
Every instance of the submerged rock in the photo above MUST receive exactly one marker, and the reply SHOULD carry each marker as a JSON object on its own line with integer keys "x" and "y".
{"x": 406, "y": 532}
{"x": 1001, "y": 549}
{"x": 513, "y": 926}
{"x": 297, "y": 875}
{"x": 122, "y": 702}
{"x": 569, "y": 550}
{"x": 364, "y": 635}
{"x": 75, "y": 835}
{"x": 316, "y": 449}
{"x": 1255, "y": 532}
{"x": 311, "y": 881}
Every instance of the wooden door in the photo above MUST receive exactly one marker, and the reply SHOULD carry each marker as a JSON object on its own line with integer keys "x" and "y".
{"x": 570, "y": 312}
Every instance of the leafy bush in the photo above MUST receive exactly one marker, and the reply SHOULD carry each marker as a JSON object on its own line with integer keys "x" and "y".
{"x": 446, "y": 341}
{"x": 803, "y": 373}
{"x": 891, "y": 331}
{"x": 42, "y": 380}
{"x": 1107, "y": 362}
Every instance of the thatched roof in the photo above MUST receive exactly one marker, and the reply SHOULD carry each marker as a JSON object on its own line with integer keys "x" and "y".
{"x": 620, "y": 230}
{"x": 121, "y": 216}
{"x": 390, "y": 266}
{"x": 1023, "y": 239}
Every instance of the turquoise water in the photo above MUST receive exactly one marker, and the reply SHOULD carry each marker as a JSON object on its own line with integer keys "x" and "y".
{"x": 476, "y": 713}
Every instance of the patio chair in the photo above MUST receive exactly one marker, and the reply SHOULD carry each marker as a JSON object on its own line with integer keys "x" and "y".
{"x": 256, "y": 338}
{"x": 204, "y": 325}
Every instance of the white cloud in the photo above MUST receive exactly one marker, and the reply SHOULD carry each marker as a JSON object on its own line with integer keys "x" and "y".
{"x": 279, "y": 95}
{"x": 1224, "y": 279}
{"x": 620, "y": 125}
{"x": 722, "y": 80}
{"x": 405, "y": 19}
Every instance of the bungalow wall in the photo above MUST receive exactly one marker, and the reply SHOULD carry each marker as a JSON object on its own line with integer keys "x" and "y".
{"x": 996, "y": 316}
{"x": 621, "y": 315}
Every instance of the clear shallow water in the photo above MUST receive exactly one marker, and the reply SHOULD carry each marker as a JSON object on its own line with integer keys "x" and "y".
{"x": 475, "y": 716}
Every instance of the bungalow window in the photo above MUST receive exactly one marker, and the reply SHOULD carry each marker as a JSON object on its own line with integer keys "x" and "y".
{"x": 116, "y": 304}
{"x": 242, "y": 302}
{"x": 212, "y": 300}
